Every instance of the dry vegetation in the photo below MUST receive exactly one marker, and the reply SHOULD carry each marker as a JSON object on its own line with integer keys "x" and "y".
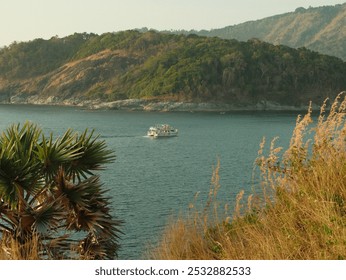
{"x": 297, "y": 211}
{"x": 10, "y": 249}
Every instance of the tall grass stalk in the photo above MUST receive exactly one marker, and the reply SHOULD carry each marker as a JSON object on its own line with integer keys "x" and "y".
{"x": 11, "y": 249}
{"x": 297, "y": 211}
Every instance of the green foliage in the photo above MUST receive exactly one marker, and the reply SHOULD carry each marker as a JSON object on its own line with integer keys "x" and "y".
{"x": 48, "y": 189}
{"x": 319, "y": 29}
{"x": 211, "y": 69}
{"x": 131, "y": 64}
{"x": 27, "y": 59}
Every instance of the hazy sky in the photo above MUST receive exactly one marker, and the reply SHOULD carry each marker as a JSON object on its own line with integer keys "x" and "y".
{"x": 24, "y": 20}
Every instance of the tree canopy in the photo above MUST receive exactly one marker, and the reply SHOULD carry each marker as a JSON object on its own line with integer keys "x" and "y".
{"x": 131, "y": 64}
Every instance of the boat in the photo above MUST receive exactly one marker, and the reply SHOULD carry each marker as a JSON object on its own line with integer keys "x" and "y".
{"x": 162, "y": 130}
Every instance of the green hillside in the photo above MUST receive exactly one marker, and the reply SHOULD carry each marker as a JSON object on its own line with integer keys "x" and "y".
{"x": 151, "y": 65}
{"x": 322, "y": 29}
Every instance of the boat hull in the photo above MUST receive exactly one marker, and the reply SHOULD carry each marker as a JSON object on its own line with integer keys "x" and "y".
{"x": 163, "y": 135}
{"x": 162, "y": 131}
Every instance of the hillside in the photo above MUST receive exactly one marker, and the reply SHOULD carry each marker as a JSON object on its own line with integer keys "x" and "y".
{"x": 321, "y": 29}
{"x": 165, "y": 67}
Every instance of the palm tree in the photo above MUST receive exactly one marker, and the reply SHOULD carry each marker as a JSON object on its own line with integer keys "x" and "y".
{"x": 49, "y": 191}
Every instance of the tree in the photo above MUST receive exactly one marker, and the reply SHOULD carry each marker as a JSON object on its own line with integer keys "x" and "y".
{"x": 49, "y": 191}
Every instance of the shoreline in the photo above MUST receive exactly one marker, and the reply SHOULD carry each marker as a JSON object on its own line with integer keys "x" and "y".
{"x": 160, "y": 106}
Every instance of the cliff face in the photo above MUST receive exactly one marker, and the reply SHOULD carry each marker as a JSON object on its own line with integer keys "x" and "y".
{"x": 91, "y": 69}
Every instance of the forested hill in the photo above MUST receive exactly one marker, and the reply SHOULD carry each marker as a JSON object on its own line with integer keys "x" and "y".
{"x": 159, "y": 66}
{"x": 321, "y": 29}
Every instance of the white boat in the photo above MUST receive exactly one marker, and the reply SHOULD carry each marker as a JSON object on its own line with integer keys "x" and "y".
{"x": 162, "y": 130}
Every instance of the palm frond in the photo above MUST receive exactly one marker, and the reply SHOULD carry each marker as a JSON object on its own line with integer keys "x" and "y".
{"x": 92, "y": 248}
{"x": 48, "y": 188}
{"x": 8, "y": 220}
{"x": 59, "y": 247}
{"x": 89, "y": 211}
{"x": 94, "y": 154}
{"x": 85, "y": 198}
{"x": 56, "y": 153}
{"x": 18, "y": 165}
{"x": 48, "y": 217}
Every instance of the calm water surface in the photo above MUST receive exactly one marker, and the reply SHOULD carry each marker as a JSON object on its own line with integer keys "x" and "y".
{"x": 153, "y": 179}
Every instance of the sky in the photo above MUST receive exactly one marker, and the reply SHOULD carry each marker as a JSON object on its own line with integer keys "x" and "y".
{"x": 25, "y": 20}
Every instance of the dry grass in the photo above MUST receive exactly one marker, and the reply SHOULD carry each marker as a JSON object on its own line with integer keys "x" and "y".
{"x": 10, "y": 249}
{"x": 298, "y": 211}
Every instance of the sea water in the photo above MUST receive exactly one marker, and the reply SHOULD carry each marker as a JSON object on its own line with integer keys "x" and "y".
{"x": 152, "y": 180}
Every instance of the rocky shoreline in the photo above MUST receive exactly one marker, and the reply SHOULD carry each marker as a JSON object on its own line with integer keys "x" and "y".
{"x": 169, "y": 106}
{"x": 156, "y": 106}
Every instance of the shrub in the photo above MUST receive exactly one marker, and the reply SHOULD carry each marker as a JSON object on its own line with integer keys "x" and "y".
{"x": 51, "y": 198}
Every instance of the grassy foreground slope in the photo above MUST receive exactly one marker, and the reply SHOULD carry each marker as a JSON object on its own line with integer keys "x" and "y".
{"x": 298, "y": 210}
